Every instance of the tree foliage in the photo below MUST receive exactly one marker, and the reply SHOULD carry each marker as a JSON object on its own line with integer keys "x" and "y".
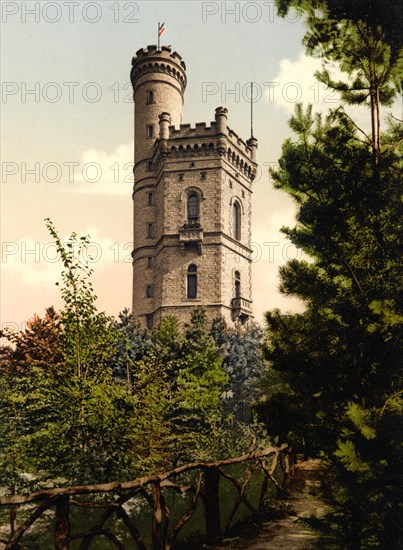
{"x": 243, "y": 362}
{"x": 133, "y": 343}
{"x": 339, "y": 361}
{"x": 364, "y": 40}
{"x": 86, "y": 398}
{"x": 377, "y": 15}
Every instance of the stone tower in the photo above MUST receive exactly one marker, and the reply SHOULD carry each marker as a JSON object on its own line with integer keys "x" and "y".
{"x": 192, "y": 202}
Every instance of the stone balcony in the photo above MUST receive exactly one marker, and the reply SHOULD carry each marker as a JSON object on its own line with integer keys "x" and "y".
{"x": 191, "y": 234}
{"x": 241, "y": 309}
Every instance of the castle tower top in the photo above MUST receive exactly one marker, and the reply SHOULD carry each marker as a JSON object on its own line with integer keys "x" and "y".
{"x": 158, "y": 77}
{"x": 152, "y": 60}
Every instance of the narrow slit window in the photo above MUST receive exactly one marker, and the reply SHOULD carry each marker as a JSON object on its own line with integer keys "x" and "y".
{"x": 237, "y": 284}
{"x": 150, "y": 291}
{"x": 192, "y": 282}
{"x": 237, "y": 221}
{"x": 150, "y": 97}
{"x": 150, "y": 131}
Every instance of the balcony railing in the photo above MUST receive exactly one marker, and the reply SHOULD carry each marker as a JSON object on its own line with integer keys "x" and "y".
{"x": 241, "y": 309}
{"x": 191, "y": 233}
{"x": 192, "y": 224}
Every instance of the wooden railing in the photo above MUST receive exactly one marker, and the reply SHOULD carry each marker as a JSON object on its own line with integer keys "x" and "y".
{"x": 272, "y": 462}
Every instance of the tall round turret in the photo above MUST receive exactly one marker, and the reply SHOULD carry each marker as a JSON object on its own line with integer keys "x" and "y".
{"x": 159, "y": 80}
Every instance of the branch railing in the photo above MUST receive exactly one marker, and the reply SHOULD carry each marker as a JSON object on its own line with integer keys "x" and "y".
{"x": 204, "y": 488}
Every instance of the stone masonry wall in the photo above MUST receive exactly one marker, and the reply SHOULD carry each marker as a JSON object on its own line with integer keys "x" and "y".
{"x": 167, "y": 169}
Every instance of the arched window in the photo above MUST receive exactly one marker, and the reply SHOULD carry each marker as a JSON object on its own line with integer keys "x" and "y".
{"x": 237, "y": 284}
{"x": 192, "y": 281}
{"x": 193, "y": 208}
{"x": 236, "y": 214}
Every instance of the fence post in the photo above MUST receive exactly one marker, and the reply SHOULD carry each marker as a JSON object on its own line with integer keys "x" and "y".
{"x": 13, "y": 520}
{"x": 159, "y": 518}
{"x": 63, "y": 527}
{"x": 212, "y": 504}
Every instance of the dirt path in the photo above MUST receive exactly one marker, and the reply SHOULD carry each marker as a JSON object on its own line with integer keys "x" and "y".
{"x": 287, "y": 533}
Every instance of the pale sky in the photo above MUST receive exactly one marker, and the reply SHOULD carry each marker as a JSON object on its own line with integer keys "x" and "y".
{"x": 67, "y": 131}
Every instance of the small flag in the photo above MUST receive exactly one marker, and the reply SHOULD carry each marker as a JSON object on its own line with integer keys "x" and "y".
{"x": 161, "y": 29}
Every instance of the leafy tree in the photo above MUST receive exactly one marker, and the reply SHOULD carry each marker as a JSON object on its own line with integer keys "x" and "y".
{"x": 200, "y": 382}
{"x": 133, "y": 343}
{"x": 40, "y": 343}
{"x": 153, "y": 436}
{"x": 376, "y": 14}
{"x": 67, "y": 414}
{"x": 36, "y": 353}
{"x": 12, "y": 421}
{"x": 341, "y": 358}
{"x": 13, "y": 427}
{"x": 240, "y": 349}
{"x": 168, "y": 339}
{"x": 80, "y": 441}
{"x": 365, "y": 41}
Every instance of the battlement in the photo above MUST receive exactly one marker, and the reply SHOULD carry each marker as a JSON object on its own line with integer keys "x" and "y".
{"x": 165, "y": 52}
{"x": 217, "y": 140}
{"x": 239, "y": 143}
{"x": 150, "y": 59}
{"x": 204, "y": 141}
{"x": 200, "y": 130}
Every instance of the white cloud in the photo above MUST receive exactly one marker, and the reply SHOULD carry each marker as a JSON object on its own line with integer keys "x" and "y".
{"x": 37, "y": 263}
{"x": 271, "y": 250}
{"x": 102, "y": 173}
{"x": 295, "y": 83}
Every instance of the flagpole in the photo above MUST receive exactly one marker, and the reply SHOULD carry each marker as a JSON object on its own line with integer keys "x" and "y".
{"x": 251, "y": 109}
{"x": 161, "y": 30}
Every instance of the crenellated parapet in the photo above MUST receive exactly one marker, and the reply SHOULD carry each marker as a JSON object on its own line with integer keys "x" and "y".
{"x": 164, "y": 52}
{"x": 244, "y": 165}
{"x": 150, "y": 60}
{"x": 201, "y": 140}
{"x": 200, "y": 130}
{"x": 235, "y": 142}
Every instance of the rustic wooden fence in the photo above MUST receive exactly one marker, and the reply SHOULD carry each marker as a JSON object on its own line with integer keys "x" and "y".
{"x": 273, "y": 464}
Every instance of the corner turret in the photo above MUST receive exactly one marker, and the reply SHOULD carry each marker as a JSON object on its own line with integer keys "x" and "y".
{"x": 221, "y": 116}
